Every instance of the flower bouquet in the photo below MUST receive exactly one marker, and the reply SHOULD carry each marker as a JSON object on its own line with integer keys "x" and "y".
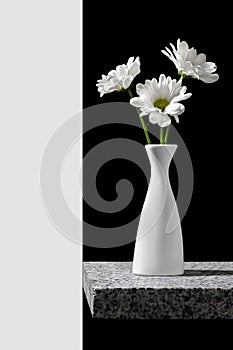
{"x": 159, "y": 246}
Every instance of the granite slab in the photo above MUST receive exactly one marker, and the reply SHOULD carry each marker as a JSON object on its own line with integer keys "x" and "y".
{"x": 205, "y": 291}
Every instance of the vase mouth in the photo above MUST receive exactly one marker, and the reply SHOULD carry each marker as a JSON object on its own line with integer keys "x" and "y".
{"x": 160, "y": 145}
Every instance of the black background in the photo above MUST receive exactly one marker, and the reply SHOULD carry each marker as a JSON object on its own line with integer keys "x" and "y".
{"x": 114, "y": 31}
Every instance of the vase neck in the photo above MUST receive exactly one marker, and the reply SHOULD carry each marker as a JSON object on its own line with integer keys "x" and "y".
{"x": 162, "y": 153}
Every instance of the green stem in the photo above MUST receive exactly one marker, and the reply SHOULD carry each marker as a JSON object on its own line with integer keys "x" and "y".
{"x": 161, "y": 136}
{"x": 141, "y": 119}
{"x": 167, "y": 133}
{"x": 182, "y": 75}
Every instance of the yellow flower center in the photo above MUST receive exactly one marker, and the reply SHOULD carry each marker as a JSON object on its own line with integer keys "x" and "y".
{"x": 161, "y": 103}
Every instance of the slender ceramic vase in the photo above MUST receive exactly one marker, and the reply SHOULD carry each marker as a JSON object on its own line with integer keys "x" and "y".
{"x": 159, "y": 246}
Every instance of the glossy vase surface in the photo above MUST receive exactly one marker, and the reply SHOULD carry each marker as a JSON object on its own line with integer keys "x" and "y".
{"x": 159, "y": 245}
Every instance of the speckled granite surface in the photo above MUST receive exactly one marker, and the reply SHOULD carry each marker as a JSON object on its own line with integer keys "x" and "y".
{"x": 205, "y": 291}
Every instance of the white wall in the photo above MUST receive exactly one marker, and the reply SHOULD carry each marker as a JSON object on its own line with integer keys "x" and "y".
{"x": 40, "y": 84}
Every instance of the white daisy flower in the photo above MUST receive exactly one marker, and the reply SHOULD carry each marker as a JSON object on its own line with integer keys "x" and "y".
{"x": 120, "y": 78}
{"x": 160, "y": 99}
{"x": 188, "y": 62}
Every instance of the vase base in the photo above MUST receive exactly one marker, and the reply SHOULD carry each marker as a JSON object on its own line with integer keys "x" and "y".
{"x": 160, "y": 274}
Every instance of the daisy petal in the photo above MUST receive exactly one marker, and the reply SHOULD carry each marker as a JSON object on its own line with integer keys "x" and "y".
{"x": 181, "y": 97}
{"x": 176, "y": 118}
{"x": 200, "y": 59}
{"x": 209, "y": 65}
{"x": 166, "y": 53}
{"x": 139, "y": 88}
{"x": 134, "y": 69}
{"x": 164, "y": 120}
{"x": 154, "y": 117}
{"x": 130, "y": 61}
{"x": 173, "y": 47}
{"x": 175, "y": 109}
{"x": 142, "y": 114}
{"x": 210, "y": 78}
{"x": 183, "y": 49}
{"x": 137, "y": 102}
{"x": 120, "y": 71}
{"x": 127, "y": 81}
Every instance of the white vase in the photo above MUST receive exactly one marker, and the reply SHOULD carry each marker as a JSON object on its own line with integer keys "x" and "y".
{"x": 159, "y": 245}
